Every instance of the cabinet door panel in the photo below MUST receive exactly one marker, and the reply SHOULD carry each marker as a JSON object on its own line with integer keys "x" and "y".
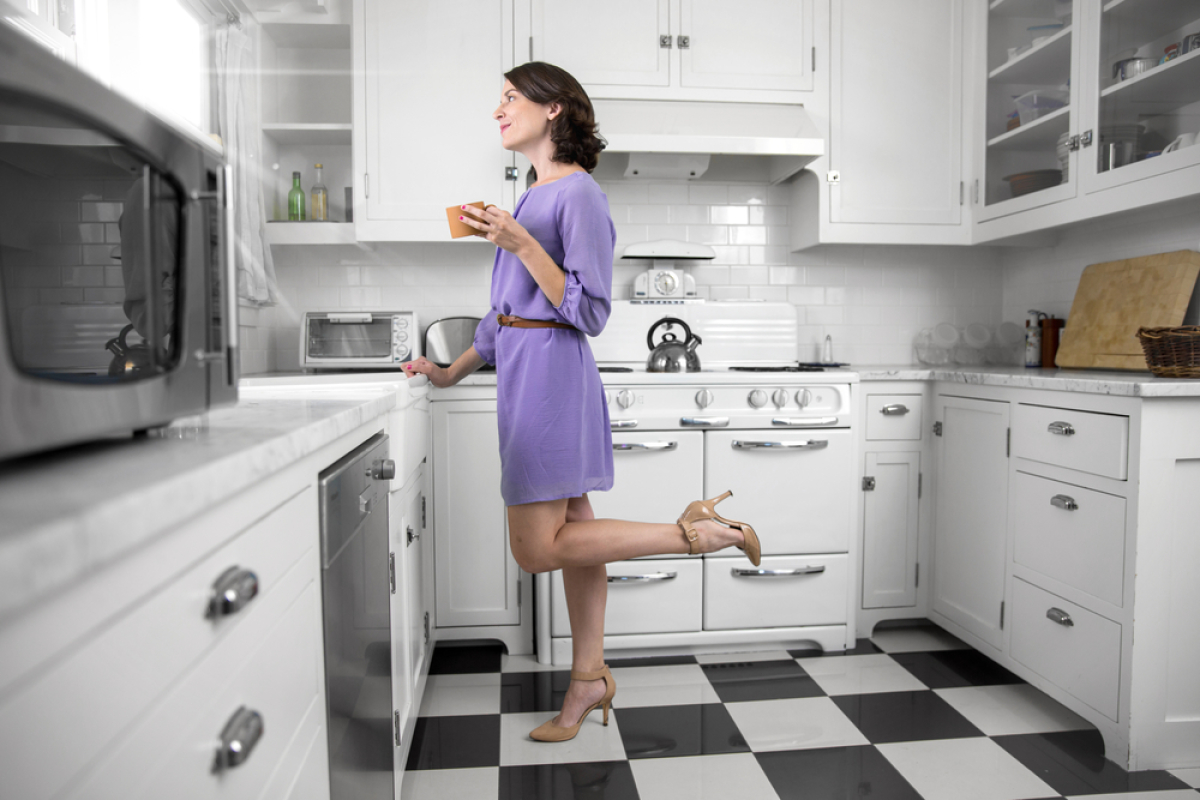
{"x": 890, "y": 531}
{"x": 433, "y": 76}
{"x": 764, "y": 44}
{"x": 614, "y": 43}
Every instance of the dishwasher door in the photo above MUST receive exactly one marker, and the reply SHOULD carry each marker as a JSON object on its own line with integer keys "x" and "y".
{"x": 356, "y": 592}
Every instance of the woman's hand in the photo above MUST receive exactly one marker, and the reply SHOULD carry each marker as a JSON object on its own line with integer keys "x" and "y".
{"x": 438, "y": 376}
{"x": 501, "y": 229}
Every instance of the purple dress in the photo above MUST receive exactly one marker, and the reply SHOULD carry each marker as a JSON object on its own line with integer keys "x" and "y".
{"x": 555, "y": 439}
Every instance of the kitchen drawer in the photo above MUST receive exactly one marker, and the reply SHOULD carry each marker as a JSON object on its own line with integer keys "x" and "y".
{"x": 667, "y": 599}
{"x": 271, "y": 665}
{"x": 791, "y": 592}
{"x": 1082, "y": 658}
{"x": 102, "y": 687}
{"x": 1097, "y": 444}
{"x": 1079, "y": 541}
{"x": 894, "y": 417}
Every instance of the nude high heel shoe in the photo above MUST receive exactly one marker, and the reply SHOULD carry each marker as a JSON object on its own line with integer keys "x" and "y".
{"x": 549, "y": 732}
{"x": 707, "y": 509}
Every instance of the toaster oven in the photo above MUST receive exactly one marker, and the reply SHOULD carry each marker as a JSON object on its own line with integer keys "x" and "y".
{"x": 358, "y": 339}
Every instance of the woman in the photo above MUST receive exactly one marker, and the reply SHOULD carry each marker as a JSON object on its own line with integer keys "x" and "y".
{"x": 551, "y": 285}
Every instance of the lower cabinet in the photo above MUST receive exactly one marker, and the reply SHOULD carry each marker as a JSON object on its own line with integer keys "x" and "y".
{"x": 410, "y": 611}
{"x": 891, "y": 493}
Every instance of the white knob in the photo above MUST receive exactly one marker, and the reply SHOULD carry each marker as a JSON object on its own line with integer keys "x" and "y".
{"x": 403, "y": 337}
{"x": 704, "y": 398}
{"x": 607, "y": 399}
{"x": 757, "y": 398}
{"x": 779, "y": 397}
{"x": 803, "y": 397}
{"x": 624, "y": 398}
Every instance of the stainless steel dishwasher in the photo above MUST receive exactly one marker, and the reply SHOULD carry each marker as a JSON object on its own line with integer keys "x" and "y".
{"x": 356, "y": 591}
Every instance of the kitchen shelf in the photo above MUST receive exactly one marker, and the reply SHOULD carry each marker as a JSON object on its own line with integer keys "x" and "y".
{"x": 1032, "y": 9}
{"x": 1041, "y": 134}
{"x": 319, "y": 133}
{"x": 321, "y": 36}
{"x": 311, "y": 233}
{"x": 1047, "y": 64}
{"x": 1165, "y": 88}
{"x": 1142, "y": 21}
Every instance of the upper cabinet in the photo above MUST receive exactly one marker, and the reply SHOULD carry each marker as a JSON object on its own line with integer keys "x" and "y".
{"x": 680, "y": 49}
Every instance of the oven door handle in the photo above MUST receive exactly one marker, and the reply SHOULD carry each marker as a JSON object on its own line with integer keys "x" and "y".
{"x": 704, "y": 422}
{"x": 623, "y": 423}
{"x": 643, "y": 446}
{"x": 807, "y": 444}
{"x": 653, "y": 577}
{"x": 807, "y": 422}
{"x": 776, "y": 573}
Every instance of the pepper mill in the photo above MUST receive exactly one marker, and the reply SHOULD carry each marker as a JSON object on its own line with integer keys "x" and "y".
{"x": 1050, "y": 335}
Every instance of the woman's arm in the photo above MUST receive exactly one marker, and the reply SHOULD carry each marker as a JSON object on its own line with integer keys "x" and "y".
{"x": 442, "y": 377}
{"x": 549, "y": 276}
{"x": 508, "y": 234}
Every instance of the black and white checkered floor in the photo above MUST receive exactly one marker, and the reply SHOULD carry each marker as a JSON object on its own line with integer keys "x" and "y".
{"x": 912, "y": 713}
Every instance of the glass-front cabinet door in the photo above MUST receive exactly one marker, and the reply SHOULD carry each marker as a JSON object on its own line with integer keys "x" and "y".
{"x": 1029, "y": 110}
{"x": 1144, "y": 79}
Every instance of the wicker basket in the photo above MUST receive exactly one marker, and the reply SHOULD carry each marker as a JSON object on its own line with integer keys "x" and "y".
{"x": 1172, "y": 352}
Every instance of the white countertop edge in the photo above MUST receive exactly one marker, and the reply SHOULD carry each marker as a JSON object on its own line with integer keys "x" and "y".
{"x": 1126, "y": 384}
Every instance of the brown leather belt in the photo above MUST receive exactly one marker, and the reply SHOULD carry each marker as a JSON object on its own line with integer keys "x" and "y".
{"x": 513, "y": 321}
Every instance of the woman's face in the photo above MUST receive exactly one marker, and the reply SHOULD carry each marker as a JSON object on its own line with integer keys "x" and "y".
{"x": 522, "y": 122}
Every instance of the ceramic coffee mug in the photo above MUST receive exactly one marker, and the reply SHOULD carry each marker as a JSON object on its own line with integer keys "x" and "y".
{"x": 458, "y": 228}
{"x": 1181, "y": 141}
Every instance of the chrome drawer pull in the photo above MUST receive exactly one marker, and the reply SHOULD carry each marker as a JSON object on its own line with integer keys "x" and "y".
{"x": 806, "y": 422}
{"x": 1061, "y": 617}
{"x": 894, "y": 410}
{"x": 808, "y": 444}
{"x": 632, "y": 446}
{"x": 623, "y": 423}
{"x": 775, "y": 573}
{"x": 1064, "y": 502}
{"x": 1061, "y": 428}
{"x": 651, "y": 578}
{"x": 412, "y": 535}
{"x": 238, "y": 739}
{"x": 232, "y": 590}
{"x": 704, "y": 422}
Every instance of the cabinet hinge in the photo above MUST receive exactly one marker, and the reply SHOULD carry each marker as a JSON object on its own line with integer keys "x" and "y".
{"x": 920, "y": 478}
{"x": 1001, "y": 615}
{"x": 833, "y": 176}
{"x": 975, "y": 193}
{"x": 962, "y": 190}
{"x": 392, "y": 571}
{"x": 1008, "y": 442}
{"x": 366, "y": 184}
{"x": 423, "y": 525}
{"x": 426, "y": 627}
{"x": 664, "y": 41}
{"x": 531, "y": 48}
{"x": 814, "y": 59}
{"x": 518, "y": 592}
{"x": 917, "y": 575}
{"x": 937, "y": 429}
{"x": 868, "y": 484}
{"x": 396, "y": 727}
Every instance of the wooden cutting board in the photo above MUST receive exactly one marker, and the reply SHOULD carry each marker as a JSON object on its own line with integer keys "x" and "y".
{"x": 1116, "y": 298}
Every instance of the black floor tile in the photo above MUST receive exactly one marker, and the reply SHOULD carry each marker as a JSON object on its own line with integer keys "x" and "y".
{"x": 862, "y": 647}
{"x": 760, "y": 680}
{"x": 669, "y": 731}
{"x": 601, "y": 780}
{"x": 472, "y": 658}
{"x": 952, "y": 669}
{"x": 651, "y": 661}
{"x": 834, "y": 773}
{"x": 905, "y": 717}
{"x": 1073, "y": 763}
{"x": 454, "y": 742}
{"x": 533, "y": 691}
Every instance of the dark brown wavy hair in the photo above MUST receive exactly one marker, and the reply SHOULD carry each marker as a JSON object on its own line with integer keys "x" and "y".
{"x": 573, "y": 131}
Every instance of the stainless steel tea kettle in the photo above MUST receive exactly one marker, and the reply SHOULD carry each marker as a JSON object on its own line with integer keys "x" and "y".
{"x": 672, "y": 355}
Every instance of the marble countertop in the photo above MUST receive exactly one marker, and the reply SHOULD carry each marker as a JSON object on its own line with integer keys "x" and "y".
{"x": 68, "y": 513}
{"x": 1127, "y": 384}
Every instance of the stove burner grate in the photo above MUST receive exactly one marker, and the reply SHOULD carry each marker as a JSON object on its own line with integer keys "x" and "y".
{"x": 788, "y": 368}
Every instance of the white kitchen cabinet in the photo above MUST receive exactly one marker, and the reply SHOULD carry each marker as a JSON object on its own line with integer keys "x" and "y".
{"x": 480, "y": 588}
{"x": 424, "y": 138}
{"x": 609, "y": 44}
{"x": 767, "y": 44}
{"x": 895, "y": 164}
{"x": 890, "y": 530}
{"x": 410, "y": 614}
{"x": 970, "y": 525}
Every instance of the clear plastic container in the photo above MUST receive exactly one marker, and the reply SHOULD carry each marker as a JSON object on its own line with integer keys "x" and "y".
{"x": 1040, "y": 102}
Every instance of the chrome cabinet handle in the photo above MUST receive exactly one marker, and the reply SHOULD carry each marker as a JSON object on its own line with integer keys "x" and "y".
{"x": 775, "y": 573}
{"x": 704, "y": 422}
{"x": 809, "y": 422}
{"x": 232, "y": 590}
{"x": 623, "y": 423}
{"x": 238, "y": 739}
{"x": 808, "y": 444}
{"x": 894, "y": 410}
{"x": 1061, "y": 428}
{"x": 411, "y": 534}
{"x": 1064, "y": 502}
{"x": 651, "y": 578}
{"x": 642, "y": 446}
{"x": 1061, "y": 617}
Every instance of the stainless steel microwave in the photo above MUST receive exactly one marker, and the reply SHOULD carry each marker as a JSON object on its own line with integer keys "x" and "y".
{"x": 118, "y": 310}
{"x": 358, "y": 339}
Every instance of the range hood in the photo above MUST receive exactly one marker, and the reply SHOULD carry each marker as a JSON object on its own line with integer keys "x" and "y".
{"x": 674, "y": 137}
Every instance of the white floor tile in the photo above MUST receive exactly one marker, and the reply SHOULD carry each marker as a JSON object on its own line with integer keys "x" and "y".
{"x": 913, "y": 640}
{"x": 954, "y": 769}
{"x": 527, "y": 664}
{"x": 735, "y": 658}
{"x": 458, "y": 695}
{"x": 1189, "y": 776}
{"x": 734, "y": 775}
{"x": 1169, "y": 794}
{"x": 680, "y": 685}
{"x": 860, "y": 675}
{"x": 595, "y": 741}
{"x": 794, "y": 724}
{"x": 478, "y": 783}
{"x": 1015, "y": 708}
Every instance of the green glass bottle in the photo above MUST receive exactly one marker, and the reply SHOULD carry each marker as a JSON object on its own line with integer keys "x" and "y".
{"x": 296, "y": 200}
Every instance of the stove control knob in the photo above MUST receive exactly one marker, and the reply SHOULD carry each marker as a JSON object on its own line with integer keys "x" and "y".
{"x": 780, "y": 398}
{"x": 803, "y": 397}
{"x": 704, "y": 398}
{"x": 624, "y": 398}
{"x": 757, "y": 398}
